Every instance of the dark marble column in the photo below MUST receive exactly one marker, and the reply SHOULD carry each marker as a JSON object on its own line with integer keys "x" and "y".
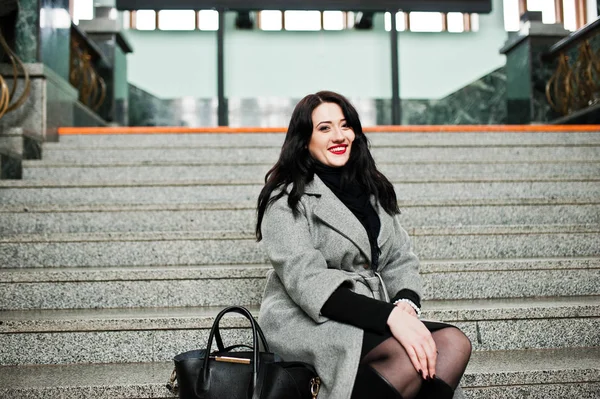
{"x": 27, "y": 31}
{"x": 526, "y": 74}
{"x": 42, "y": 34}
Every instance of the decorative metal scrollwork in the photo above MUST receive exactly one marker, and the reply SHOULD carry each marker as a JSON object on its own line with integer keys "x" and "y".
{"x": 5, "y": 94}
{"x": 575, "y": 85}
{"x": 84, "y": 77}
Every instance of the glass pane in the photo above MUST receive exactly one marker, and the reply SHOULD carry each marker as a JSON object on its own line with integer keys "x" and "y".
{"x": 302, "y": 20}
{"x": 511, "y": 15}
{"x": 425, "y": 21}
{"x": 546, "y": 7}
{"x": 400, "y": 21}
{"x": 456, "y": 22}
{"x": 270, "y": 20}
{"x": 176, "y": 20}
{"x": 333, "y": 20}
{"x": 145, "y": 19}
{"x": 83, "y": 10}
{"x": 569, "y": 14}
{"x": 125, "y": 19}
{"x": 474, "y": 22}
{"x": 387, "y": 21}
{"x": 350, "y": 19}
{"x": 208, "y": 20}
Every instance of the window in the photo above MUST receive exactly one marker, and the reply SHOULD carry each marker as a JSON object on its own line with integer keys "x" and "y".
{"x": 571, "y": 13}
{"x": 270, "y": 20}
{"x": 333, "y": 20}
{"x": 401, "y": 21}
{"x": 511, "y": 15}
{"x": 455, "y": 22}
{"x": 208, "y": 20}
{"x": 171, "y": 20}
{"x": 302, "y": 20}
{"x": 176, "y": 20}
{"x": 426, "y": 21}
{"x": 433, "y": 22}
{"x": 305, "y": 20}
{"x": 546, "y": 7}
{"x": 83, "y": 10}
{"x": 144, "y": 20}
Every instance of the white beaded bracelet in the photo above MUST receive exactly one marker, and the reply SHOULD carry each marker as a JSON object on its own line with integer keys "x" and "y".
{"x": 411, "y": 304}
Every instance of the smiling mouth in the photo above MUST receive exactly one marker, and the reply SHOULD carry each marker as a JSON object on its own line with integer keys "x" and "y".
{"x": 338, "y": 150}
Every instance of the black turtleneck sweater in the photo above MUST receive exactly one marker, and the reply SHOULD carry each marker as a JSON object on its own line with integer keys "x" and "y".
{"x": 344, "y": 305}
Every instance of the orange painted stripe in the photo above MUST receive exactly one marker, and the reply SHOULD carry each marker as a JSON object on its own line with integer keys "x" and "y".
{"x": 372, "y": 129}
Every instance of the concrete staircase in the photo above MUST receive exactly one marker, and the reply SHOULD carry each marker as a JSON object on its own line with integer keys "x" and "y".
{"x": 116, "y": 252}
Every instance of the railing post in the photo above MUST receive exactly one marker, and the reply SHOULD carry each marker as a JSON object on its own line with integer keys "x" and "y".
{"x": 222, "y": 106}
{"x": 396, "y": 106}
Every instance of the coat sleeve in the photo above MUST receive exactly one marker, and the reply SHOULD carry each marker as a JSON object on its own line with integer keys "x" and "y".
{"x": 401, "y": 270}
{"x": 299, "y": 265}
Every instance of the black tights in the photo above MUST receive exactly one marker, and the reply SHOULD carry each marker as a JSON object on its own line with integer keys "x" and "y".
{"x": 387, "y": 372}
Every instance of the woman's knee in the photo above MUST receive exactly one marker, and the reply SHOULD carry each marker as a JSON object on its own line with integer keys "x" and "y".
{"x": 451, "y": 338}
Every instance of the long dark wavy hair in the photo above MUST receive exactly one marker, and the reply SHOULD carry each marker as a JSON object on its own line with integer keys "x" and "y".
{"x": 295, "y": 166}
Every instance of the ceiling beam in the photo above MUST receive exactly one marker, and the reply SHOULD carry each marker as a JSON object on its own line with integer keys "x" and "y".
{"x": 470, "y": 6}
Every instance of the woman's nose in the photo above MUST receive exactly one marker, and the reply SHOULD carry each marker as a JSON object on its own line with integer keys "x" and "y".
{"x": 337, "y": 134}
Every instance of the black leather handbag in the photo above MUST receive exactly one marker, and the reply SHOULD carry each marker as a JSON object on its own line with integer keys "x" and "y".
{"x": 231, "y": 373}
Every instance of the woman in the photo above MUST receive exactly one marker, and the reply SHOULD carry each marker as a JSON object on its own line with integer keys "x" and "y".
{"x": 328, "y": 222}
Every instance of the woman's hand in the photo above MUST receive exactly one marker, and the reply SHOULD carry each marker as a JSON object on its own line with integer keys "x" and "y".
{"x": 405, "y": 307}
{"x": 416, "y": 339}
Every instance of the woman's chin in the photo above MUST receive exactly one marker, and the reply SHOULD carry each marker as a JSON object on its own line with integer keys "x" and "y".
{"x": 337, "y": 162}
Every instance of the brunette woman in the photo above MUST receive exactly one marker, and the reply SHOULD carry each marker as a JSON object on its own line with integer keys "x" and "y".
{"x": 345, "y": 291}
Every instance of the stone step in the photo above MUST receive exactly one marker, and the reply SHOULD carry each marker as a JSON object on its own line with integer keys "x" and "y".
{"x": 241, "y": 216}
{"x": 269, "y": 155}
{"x": 376, "y": 139}
{"x": 164, "y": 192}
{"x": 151, "y": 335}
{"x": 212, "y": 285}
{"x": 213, "y": 247}
{"x": 199, "y": 248}
{"x": 535, "y": 374}
{"x": 42, "y": 170}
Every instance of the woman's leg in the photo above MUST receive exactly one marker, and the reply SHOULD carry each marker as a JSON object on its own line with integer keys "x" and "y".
{"x": 386, "y": 372}
{"x": 454, "y": 351}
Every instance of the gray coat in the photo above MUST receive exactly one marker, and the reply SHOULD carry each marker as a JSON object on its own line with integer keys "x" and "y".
{"x": 312, "y": 255}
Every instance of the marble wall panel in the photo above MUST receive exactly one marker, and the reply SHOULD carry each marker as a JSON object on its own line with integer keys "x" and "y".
{"x": 55, "y": 34}
{"x": 481, "y": 102}
{"x": 148, "y": 110}
{"x": 28, "y": 31}
{"x": 540, "y": 74}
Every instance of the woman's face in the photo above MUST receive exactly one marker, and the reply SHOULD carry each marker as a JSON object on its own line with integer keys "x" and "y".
{"x": 332, "y": 137}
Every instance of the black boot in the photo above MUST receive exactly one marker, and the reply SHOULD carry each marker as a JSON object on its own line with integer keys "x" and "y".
{"x": 369, "y": 384}
{"x": 435, "y": 389}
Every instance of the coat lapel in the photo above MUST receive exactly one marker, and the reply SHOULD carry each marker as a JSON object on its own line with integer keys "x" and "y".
{"x": 335, "y": 214}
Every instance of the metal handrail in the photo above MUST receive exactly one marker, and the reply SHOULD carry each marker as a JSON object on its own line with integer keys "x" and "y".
{"x": 575, "y": 83}
{"x": 5, "y": 94}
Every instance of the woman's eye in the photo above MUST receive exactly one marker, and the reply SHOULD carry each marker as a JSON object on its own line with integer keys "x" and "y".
{"x": 324, "y": 128}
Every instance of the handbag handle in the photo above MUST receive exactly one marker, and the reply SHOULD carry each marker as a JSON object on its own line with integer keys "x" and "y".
{"x": 202, "y": 385}
{"x": 222, "y": 348}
